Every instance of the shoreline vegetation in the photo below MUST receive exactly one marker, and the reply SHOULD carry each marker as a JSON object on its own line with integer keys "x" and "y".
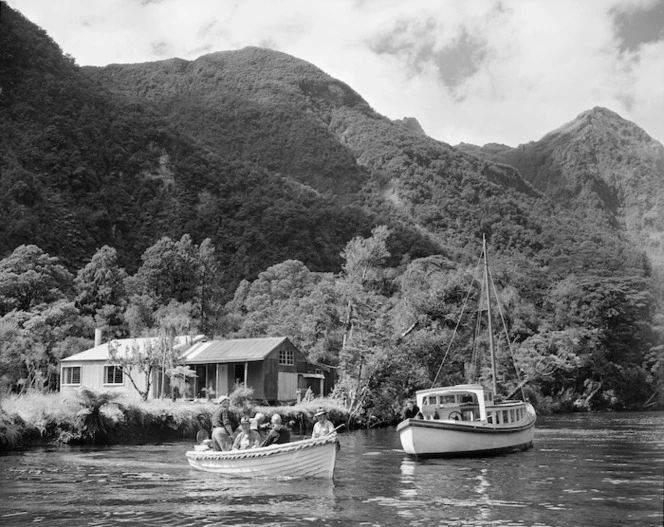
{"x": 36, "y": 419}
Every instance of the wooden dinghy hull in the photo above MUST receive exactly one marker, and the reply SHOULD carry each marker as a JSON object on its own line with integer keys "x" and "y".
{"x": 309, "y": 458}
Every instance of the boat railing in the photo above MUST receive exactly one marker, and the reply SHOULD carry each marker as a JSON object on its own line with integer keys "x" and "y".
{"x": 457, "y": 412}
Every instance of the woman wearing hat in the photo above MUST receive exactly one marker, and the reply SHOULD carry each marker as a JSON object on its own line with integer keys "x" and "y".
{"x": 247, "y": 438}
{"x": 323, "y": 426}
{"x": 223, "y": 425}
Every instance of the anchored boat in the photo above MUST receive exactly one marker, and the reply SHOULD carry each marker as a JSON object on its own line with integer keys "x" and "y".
{"x": 309, "y": 458}
{"x": 466, "y": 419}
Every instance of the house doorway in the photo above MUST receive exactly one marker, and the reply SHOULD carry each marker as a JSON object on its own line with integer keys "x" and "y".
{"x": 238, "y": 374}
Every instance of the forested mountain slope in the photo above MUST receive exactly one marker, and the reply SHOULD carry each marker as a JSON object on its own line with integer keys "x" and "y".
{"x": 83, "y": 167}
{"x": 602, "y": 166}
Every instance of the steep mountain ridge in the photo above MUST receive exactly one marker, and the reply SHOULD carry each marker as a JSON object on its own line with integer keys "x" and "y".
{"x": 602, "y": 166}
{"x": 280, "y": 106}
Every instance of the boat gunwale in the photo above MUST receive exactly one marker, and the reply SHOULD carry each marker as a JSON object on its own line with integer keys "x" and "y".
{"x": 464, "y": 426}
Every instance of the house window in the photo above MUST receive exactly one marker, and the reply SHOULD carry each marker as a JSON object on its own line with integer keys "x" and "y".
{"x": 113, "y": 375}
{"x": 286, "y": 357}
{"x": 71, "y": 375}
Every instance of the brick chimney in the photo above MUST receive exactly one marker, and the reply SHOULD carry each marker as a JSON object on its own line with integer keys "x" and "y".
{"x": 97, "y": 337}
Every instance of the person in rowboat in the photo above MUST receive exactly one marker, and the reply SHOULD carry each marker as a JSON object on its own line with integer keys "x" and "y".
{"x": 258, "y": 424}
{"x": 323, "y": 426}
{"x": 247, "y": 438}
{"x": 223, "y": 425}
{"x": 279, "y": 434}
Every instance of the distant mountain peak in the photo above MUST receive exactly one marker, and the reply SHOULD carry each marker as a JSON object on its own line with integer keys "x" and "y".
{"x": 598, "y": 120}
{"x": 412, "y": 124}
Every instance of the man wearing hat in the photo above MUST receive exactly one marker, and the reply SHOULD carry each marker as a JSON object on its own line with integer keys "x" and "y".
{"x": 323, "y": 426}
{"x": 247, "y": 438}
{"x": 223, "y": 425}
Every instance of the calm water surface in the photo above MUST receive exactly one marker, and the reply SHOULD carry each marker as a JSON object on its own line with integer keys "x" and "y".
{"x": 584, "y": 470}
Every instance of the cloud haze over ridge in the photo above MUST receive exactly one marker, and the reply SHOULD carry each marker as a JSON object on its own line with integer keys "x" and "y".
{"x": 474, "y": 71}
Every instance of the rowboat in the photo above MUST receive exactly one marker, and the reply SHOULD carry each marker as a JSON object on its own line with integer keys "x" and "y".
{"x": 467, "y": 419}
{"x": 309, "y": 458}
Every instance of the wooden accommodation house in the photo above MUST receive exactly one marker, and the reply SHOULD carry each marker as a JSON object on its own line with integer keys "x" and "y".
{"x": 273, "y": 367}
{"x": 93, "y": 369}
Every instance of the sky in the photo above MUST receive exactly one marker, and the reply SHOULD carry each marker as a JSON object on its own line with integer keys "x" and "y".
{"x": 473, "y": 71}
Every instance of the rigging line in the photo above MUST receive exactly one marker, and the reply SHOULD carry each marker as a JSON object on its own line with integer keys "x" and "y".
{"x": 463, "y": 309}
{"x": 509, "y": 342}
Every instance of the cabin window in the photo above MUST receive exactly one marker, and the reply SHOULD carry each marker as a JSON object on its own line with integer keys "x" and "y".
{"x": 286, "y": 357}
{"x": 505, "y": 416}
{"x": 447, "y": 399}
{"x": 71, "y": 375}
{"x": 113, "y": 375}
{"x": 512, "y": 419}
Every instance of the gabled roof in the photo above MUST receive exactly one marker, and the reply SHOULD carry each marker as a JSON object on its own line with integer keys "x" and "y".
{"x": 100, "y": 353}
{"x": 231, "y": 350}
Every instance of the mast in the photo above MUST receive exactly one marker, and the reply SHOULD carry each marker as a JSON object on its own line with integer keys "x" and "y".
{"x": 488, "y": 311}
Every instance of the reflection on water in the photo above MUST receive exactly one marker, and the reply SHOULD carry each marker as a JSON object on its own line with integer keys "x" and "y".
{"x": 583, "y": 470}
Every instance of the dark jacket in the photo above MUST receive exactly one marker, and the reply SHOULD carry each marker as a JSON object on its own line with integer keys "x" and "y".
{"x": 223, "y": 417}
{"x": 278, "y": 436}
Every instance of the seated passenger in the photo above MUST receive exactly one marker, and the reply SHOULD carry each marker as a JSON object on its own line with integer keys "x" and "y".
{"x": 257, "y": 423}
{"x": 247, "y": 438}
{"x": 323, "y": 426}
{"x": 279, "y": 434}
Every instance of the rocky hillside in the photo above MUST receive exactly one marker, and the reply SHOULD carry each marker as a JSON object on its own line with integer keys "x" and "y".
{"x": 601, "y": 165}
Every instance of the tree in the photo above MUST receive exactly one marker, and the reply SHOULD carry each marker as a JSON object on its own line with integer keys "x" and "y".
{"x": 362, "y": 284}
{"x": 100, "y": 291}
{"x": 175, "y": 271}
{"x": 157, "y": 354}
{"x": 90, "y": 420}
{"x": 33, "y": 343}
{"x": 170, "y": 271}
{"x": 29, "y": 277}
{"x": 138, "y": 359}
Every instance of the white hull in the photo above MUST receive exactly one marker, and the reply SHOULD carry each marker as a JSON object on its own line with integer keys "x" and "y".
{"x": 421, "y": 437}
{"x": 310, "y": 458}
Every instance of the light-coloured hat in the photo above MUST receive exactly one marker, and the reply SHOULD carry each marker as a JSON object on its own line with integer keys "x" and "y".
{"x": 223, "y": 398}
{"x": 320, "y": 411}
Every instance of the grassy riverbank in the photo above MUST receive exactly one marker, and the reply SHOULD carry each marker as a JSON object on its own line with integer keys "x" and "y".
{"x": 50, "y": 419}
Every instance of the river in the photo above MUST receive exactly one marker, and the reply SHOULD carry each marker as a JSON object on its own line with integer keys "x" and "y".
{"x": 584, "y": 469}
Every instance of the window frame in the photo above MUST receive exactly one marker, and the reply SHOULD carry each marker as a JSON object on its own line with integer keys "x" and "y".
{"x": 286, "y": 358}
{"x": 67, "y": 375}
{"x": 117, "y": 370}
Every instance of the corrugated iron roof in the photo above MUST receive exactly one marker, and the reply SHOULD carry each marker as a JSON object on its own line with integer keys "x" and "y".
{"x": 231, "y": 350}
{"x": 100, "y": 353}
